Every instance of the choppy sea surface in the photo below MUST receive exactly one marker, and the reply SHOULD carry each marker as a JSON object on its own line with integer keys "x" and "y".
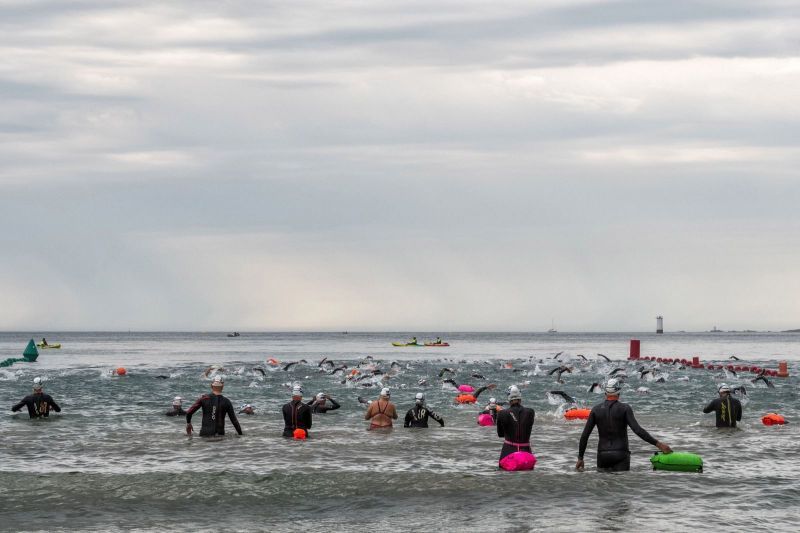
{"x": 111, "y": 460}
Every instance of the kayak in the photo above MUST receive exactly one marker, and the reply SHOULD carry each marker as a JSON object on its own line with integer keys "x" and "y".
{"x": 46, "y": 346}
{"x": 405, "y": 344}
{"x": 436, "y": 344}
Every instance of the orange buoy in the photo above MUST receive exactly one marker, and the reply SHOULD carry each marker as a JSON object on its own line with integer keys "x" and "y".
{"x": 773, "y": 419}
{"x": 299, "y": 434}
{"x": 120, "y": 371}
{"x": 466, "y": 398}
{"x": 577, "y": 414}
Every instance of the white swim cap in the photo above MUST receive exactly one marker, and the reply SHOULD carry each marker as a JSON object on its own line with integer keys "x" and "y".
{"x": 514, "y": 393}
{"x": 177, "y": 400}
{"x": 217, "y": 381}
{"x": 37, "y": 383}
{"x": 321, "y": 396}
{"x": 724, "y": 388}
{"x": 419, "y": 398}
{"x": 613, "y": 386}
{"x": 297, "y": 390}
{"x": 492, "y": 400}
{"x": 247, "y": 406}
{"x": 385, "y": 392}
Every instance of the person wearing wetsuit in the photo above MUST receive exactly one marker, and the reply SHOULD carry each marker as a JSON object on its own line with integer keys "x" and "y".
{"x": 177, "y": 407}
{"x": 492, "y": 408}
{"x": 296, "y": 414}
{"x": 417, "y": 416}
{"x": 319, "y": 405}
{"x": 727, "y": 409}
{"x": 515, "y": 424}
{"x": 612, "y": 419}
{"x": 215, "y": 406}
{"x": 381, "y": 412}
{"x": 38, "y": 403}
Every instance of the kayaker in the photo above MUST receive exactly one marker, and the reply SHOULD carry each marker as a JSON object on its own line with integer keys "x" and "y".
{"x": 413, "y": 340}
{"x": 296, "y": 414}
{"x": 380, "y": 413}
{"x": 515, "y": 424}
{"x": 177, "y": 407}
{"x": 438, "y": 340}
{"x": 319, "y": 405}
{"x": 727, "y": 409}
{"x": 44, "y": 341}
{"x": 215, "y": 406}
{"x": 612, "y": 419}
{"x": 38, "y": 403}
{"x": 417, "y": 416}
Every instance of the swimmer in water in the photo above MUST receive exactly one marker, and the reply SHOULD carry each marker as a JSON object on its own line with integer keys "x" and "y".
{"x": 380, "y": 413}
{"x": 38, "y": 403}
{"x": 492, "y": 408}
{"x": 612, "y": 419}
{"x": 515, "y": 424}
{"x": 319, "y": 405}
{"x": 215, "y": 406}
{"x": 727, "y": 409}
{"x": 417, "y": 416}
{"x": 296, "y": 414}
{"x": 247, "y": 409}
{"x": 176, "y": 409}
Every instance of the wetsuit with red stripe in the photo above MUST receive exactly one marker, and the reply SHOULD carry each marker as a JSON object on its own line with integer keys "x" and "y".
{"x": 514, "y": 425}
{"x": 612, "y": 419}
{"x": 215, "y": 407}
{"x": 296, "y": 415}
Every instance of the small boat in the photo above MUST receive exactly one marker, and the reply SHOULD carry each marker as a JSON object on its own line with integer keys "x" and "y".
{"x": 442, "y": 344}
{"x": 234, "y": 334}
{"x": 46, "y": 346}
{"x": 406, "y": 344}
{"x": 552, "y": 327}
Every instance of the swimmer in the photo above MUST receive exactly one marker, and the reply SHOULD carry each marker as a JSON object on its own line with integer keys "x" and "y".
{"x": 319, "y": 405}
{"x": 176, "y": 409}
{"x": 247, "y": 409}
{"x": 492, "y": 408}
{"x": 215, "y": 406}
{"x": 560, "y": 370}
{"x": 296, "y": 414}
{"x": 515, "y": 424}
{"x": 417, "y": 416}
{"x": 728, "y": 410}
{"x": 612, "y": 419}
{"x": 381, "y": 412}
{"x": 213, "y": 368}
{"x": 38, "y": 403}
{"x": 604, "y": 357}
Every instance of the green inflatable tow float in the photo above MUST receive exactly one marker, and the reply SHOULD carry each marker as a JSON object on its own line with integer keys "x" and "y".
{"x": 677, "y": 462}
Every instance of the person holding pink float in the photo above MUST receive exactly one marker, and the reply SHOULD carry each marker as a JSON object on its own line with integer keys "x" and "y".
{"x": 514, "y": 425}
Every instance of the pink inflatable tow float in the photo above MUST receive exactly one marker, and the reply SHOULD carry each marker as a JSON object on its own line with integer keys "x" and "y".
{"x": 518, "y": 461}
{"x": 485, "y": 419}
{"x": 466, "y": 388}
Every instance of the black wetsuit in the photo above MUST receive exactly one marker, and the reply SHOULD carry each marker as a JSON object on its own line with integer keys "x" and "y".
{"x": 296, "y": 415}
{"x": 728, "y": 410}
{"x": 317, "y": 408}
{"x": 175, "y": 412}
{"x": 515, "y": 425}
{"x": 215, "y": 407}
{"x": 492, "y": 412}
{"x": 612, "y": 419}
{"x": 417, "y": 417}
{"x": 39, "y": 405}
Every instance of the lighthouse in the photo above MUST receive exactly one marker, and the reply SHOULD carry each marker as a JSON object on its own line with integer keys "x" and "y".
{"x": 659, "y": 324}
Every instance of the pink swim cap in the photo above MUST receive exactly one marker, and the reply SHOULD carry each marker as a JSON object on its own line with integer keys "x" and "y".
{"x": 466, "y": 388}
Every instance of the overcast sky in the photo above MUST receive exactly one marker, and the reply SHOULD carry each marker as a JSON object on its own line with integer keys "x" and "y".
{"x": 365, "y": 165}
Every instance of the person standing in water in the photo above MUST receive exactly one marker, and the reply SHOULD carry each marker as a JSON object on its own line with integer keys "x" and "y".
{"x": 381, "y": 412}
{"x": 38, "y": 403}
{"x": 417, "y": 416}
{"x": 296, "y": 414}
{"x": 319, "y": 405}
{"x": 727, "y": 409}
{"x": 515, "y": 424}
{"x": 177, "y": 407}
{"x": 215, "y": 406}
{"x": 612, "y": 419}
{"x": 492, "y": 408}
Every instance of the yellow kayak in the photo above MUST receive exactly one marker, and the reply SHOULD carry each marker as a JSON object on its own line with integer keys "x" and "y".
{"x": 46, "y": 346}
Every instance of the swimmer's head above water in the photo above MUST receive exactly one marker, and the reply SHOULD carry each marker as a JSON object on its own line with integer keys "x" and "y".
{"x": 514, "y": 394}
{"x": 612, "y": 387}
{"x": 37, "y": 384}
{"x": 385, "y": 393}
{"x": 419, "y": 399}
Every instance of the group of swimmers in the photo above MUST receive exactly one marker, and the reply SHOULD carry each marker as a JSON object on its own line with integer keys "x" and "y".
{"x": 514, "y": 423}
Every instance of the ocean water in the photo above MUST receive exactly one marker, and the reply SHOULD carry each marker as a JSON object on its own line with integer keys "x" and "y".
{"x": 112, "y": 461}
